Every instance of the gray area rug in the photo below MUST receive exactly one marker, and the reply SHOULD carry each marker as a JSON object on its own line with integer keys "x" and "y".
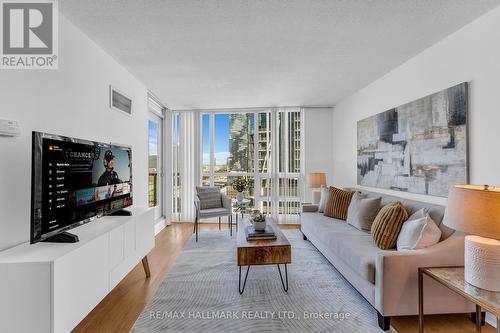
{"x": 200, "y": 294}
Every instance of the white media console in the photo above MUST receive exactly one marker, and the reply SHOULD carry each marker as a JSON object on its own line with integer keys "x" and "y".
{"x": 51, "y": 287}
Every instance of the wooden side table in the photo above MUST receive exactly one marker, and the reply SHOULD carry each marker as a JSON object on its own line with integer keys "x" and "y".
{"x": 453, "y": 278}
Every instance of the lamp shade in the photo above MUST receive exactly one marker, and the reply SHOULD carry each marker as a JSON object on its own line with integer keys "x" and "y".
{"x": 316, "y": 179}
{"x": 474, "y": 209}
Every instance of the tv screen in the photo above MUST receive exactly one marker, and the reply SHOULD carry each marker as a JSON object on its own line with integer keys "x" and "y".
{"x": 74, "y": 181}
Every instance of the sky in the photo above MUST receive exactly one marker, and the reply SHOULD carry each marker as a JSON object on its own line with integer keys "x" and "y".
{"x": 153, "y": 138}
{"x": 221, "y": 144}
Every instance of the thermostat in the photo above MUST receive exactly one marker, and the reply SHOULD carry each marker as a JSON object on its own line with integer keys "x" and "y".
{"x": 9, "y": 128}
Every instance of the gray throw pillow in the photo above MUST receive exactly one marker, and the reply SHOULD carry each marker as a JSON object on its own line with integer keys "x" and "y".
{"x": 362, "y": 211}
{"x": 324, "y": 196}
{"x": 422, "y": 212}
{"x": 210, "y": 197}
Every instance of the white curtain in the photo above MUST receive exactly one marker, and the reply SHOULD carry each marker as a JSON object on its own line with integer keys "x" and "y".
{"x": 189, "y": 162}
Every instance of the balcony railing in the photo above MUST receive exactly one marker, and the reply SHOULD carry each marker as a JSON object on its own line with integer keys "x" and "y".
{"x": 152, "y": 189}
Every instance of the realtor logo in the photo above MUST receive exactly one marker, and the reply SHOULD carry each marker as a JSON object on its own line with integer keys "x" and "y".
{"x": 29, "y": 34}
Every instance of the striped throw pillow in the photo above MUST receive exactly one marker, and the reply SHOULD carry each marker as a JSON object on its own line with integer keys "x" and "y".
{"x": 338, "y": 203}
{"x": 387, "y": 225}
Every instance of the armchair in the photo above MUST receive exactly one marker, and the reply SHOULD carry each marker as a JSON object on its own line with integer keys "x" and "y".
{"x": 209, "y": 202}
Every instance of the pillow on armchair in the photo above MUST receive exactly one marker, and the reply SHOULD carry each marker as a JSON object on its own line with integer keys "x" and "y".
{"x": 210, "y": 197}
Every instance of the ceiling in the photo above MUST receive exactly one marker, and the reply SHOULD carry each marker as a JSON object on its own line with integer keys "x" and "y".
{"x": 248, "y": 53}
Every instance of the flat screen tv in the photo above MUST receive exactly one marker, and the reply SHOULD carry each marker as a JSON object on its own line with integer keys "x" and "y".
{"x": 75, "y": 181}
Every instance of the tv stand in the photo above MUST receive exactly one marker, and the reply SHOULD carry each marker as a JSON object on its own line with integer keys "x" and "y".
{"x": 59, "y": 284}
{"x": 121, "y": 212}
{"x": 63, "y": 237}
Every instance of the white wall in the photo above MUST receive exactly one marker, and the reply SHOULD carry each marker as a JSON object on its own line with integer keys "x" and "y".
{"x": 318, "y": 138}
{"x": 71, "y": 101}
{"x": 471, "y": 54}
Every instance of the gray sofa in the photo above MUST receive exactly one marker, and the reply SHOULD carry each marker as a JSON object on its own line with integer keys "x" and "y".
{"x": 388, "y": 279}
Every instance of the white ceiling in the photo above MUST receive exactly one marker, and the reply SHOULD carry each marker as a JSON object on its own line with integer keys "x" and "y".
{"x": 244, "y": 53}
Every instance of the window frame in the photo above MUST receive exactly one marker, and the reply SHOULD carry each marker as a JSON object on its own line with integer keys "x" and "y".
{"x": 273, "y": 174}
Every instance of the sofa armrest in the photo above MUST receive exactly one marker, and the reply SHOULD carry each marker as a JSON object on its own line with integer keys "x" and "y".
{"x": 396, "y": 280}
{"x": 309, "y": 208}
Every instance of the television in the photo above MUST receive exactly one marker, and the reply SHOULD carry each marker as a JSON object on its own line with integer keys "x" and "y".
{"x": 75, "y": 181}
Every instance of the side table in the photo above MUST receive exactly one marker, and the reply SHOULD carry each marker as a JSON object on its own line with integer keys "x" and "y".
{"x": 453, "y": 278}
{"x": 240, "y": 204}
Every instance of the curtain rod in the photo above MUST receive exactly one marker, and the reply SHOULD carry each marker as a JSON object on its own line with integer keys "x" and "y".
{"x": 256, "y": 108}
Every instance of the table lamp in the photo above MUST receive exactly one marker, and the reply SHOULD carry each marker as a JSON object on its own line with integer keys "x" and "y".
{"x": 315, "y": 180}
{"x": 475, "y": 210}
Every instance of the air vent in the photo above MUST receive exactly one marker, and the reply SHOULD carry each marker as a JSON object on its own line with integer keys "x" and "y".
{"x": 119, "y": 102}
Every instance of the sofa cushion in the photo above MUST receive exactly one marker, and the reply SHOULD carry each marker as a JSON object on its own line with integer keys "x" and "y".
{"x": 354, "y": 247}
{"x": 214, "y": 212}
{"x": 338, "y": 203}
{"x": 387, "y": 225}
{"x": 436, "y": 212}
{"x": 362, "y": 211}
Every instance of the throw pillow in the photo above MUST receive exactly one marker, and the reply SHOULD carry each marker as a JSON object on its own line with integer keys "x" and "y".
{"x": 387, "y": 225}
{"x": 324, "y": 196}
{"x": 418, "y": 234}
{"x": 422, "y": 212}
{"x": 362, "y": 211}
{"x": 210, "y": 197}
{"x": 338, "y": 203}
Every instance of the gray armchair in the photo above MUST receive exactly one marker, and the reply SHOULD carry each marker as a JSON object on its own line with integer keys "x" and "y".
{"x": 210, "y": 202}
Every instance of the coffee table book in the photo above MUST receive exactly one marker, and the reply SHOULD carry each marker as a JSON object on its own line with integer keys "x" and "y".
{"x": 267, "y": 234}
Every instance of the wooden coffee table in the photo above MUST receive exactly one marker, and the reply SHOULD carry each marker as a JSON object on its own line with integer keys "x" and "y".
{"x": 262, "y": 252}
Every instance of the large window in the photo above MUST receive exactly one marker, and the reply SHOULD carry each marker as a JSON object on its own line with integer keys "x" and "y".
{"x": 155, "y": 181}
{"x": 241, "y": 144}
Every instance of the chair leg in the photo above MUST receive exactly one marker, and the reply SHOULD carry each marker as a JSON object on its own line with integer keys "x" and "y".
{"x": 219, "y": 222}
{"x": 196, "y": 228}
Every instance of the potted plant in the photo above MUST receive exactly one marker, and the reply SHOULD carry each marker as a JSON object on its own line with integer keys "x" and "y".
{"x": 240, "y": 184}
{"x": 258, "y": 220}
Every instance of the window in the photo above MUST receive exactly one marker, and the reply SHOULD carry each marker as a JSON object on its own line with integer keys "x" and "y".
{"x": 241, "y": 144}
{"x": 155, "y": 156}
{"x": 153, "y": 163}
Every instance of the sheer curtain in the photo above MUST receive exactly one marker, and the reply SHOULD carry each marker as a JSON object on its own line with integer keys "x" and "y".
{"x": 186, "y": 160}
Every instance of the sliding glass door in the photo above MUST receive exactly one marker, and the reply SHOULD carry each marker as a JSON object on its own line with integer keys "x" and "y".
{"x": 240, "y": 144}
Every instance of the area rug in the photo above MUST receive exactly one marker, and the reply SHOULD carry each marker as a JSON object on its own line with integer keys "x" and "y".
{"x": 200, "y": 294}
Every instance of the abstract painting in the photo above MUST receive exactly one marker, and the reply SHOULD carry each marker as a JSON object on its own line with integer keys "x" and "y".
{"x": 419, "y": 147}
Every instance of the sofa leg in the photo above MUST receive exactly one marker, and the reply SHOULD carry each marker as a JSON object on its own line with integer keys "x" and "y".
{"x": 483, "y": 318}
{"x": 304, "y": 237}
{"x": 384, "y": 322}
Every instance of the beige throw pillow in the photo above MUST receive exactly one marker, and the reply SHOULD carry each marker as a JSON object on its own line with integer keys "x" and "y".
{"x": 418, "y": 234}
{"x": 362, "y": 211}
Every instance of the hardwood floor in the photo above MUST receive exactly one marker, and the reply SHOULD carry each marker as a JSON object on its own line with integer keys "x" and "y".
{"x": 120, "y": 309}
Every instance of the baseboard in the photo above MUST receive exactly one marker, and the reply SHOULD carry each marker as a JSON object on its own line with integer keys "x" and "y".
{"x": 491, "y": 319}
{"x": 160, "y": 224}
